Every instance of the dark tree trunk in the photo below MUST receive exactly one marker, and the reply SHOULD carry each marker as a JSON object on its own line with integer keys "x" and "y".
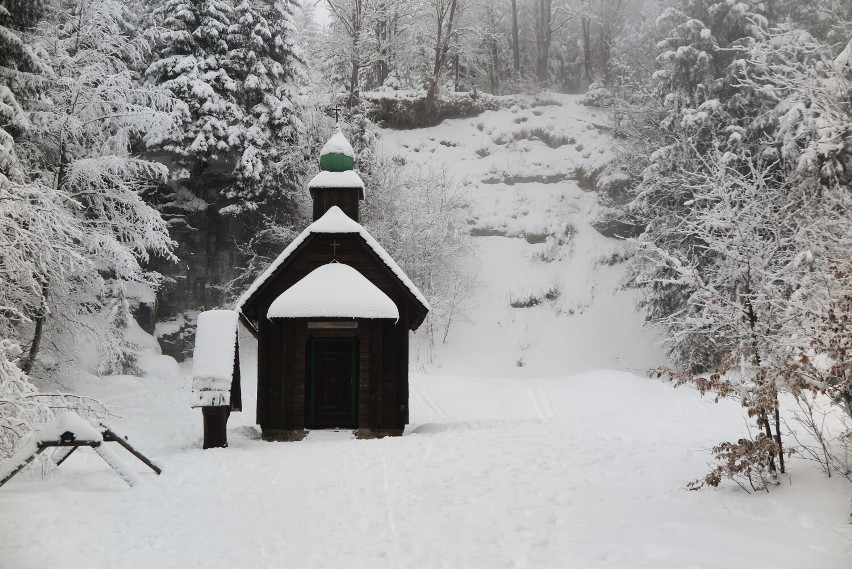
{"x": 543, "y": 33}
{"x": 752, "y": 320}
{"x": 493, "y": 54}
{"x": 612, "y": 13}
{"x": 588, "y": 74}
{"x": 38, "y": 334}
{"x": 442, "y": 45}
{"x": 353, "y": 85}
{"x": 39, "y": 319}
{"x": 516, "y": 48}
{"x": 456, "y": 73}
{"x": 495, "y": 68}
{"x": 382, "y": 40}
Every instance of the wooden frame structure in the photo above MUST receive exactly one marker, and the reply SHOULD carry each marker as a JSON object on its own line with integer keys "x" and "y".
{"x": 69, "y": 443}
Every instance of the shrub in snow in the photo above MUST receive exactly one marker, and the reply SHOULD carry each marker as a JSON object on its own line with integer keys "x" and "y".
{"x": 409, "y": 110}
{"x": 534, "y": 299}
{"x": 598, "y": 95}
{"x": 748, "y": 462}
{"x": 820, "y": 366}
{"x": 419, "y": 218}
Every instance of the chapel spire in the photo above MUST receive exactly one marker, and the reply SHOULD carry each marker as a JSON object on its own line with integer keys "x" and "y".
{"x": 337, "y": 183}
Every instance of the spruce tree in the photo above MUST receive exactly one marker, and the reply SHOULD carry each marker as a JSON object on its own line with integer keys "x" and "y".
{"x": 270, "y": 68}
{"x": 20, "y": 77}
{"x": 192, "y": 61}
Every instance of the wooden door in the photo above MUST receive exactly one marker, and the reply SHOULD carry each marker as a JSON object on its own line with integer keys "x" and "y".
{"x": 333, "y": 365}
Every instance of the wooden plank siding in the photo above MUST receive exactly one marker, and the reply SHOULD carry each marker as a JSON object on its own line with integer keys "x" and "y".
{"x": 345, "y": 198}
{"x": 283, "y": 376}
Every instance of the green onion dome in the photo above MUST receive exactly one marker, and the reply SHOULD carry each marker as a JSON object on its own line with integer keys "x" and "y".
{"x": 337, "y": 154}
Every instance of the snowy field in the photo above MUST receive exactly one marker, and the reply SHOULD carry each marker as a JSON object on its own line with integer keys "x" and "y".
{"x": 531, "y": 446}
{"x": 575, "y": 472}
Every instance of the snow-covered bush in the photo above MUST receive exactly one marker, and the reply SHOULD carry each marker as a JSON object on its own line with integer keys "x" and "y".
{"x": 598, "y": 95}
{"x": 748, "y": 462}
{"x": 418, "y": 216}
{"x": 408, "y": 109}
{"x": 19, "y": 410}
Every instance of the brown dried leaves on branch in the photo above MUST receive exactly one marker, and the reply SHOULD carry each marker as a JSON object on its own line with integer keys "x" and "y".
{"x": 748, "y": 462}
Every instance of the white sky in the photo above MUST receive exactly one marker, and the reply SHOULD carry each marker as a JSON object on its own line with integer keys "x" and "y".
{"x": 320, "y": 12}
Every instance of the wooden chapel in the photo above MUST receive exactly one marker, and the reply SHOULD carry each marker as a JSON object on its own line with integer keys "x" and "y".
{"x": 332, "y": 316}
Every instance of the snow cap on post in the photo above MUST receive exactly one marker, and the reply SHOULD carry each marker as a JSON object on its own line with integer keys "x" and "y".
{"x": 337, "y": 154}
{"x": 334, "y": 290}
{"x": 213, "y": 358}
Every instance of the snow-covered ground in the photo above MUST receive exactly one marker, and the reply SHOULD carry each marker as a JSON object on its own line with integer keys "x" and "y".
{"x": 564, "y": 461}
{"x": 580, "y": 471}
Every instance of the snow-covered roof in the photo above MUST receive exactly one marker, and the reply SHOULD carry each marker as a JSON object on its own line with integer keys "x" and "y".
{"x": 333, "y": 290}
{"x": 333, "y": 221}
{"x": 338, "y": 144}
{"x": 345, "y": 179}
{"x": 213, "y": 358}
{"x": 215, "y": 344}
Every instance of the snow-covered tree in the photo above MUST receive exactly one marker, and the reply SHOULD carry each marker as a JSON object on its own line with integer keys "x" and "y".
{"x": 270, "y": 68}
{"x": 80, "y": 146}
{"x": 20, "y": 71}
{"x": 704, "y": 113}
{"x": 744, "y": 205}
{"x": 19, "y": 409}
{"x": 351, "y": 52}
{"x": 829, "y": 21}
{"x": 418, "y": 217}
{"x": 193, "y": 61}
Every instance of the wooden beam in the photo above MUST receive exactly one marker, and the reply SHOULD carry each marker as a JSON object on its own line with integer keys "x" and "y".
{"x": 64, "y": 454}
{"x": 332, "y": 325}
{"x": 127, "y": 474}
{"x": 110, "y": 436}
{"x": 248, "y": 324}
{"x": 72, "y": 443}
{"x": 21, "y": 466}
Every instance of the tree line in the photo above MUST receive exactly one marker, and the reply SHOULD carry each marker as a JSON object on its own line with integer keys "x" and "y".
{"x": 734, "y": 183}
{"x": 464, "y": 45}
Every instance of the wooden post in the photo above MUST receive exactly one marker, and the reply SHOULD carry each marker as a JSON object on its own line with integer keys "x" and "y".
{"x": 215, "y": 426}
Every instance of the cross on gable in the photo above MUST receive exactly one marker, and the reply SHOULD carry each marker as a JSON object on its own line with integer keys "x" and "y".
{"x": 334, "y": 246}
{"x": 336, "y": 110}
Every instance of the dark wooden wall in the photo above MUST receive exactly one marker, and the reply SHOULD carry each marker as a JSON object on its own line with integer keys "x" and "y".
{"x": 344, "y": 198}
{"x": 282, "y": 392}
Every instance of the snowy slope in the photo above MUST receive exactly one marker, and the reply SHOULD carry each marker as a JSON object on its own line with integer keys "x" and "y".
{"x": 531, "y": 223}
